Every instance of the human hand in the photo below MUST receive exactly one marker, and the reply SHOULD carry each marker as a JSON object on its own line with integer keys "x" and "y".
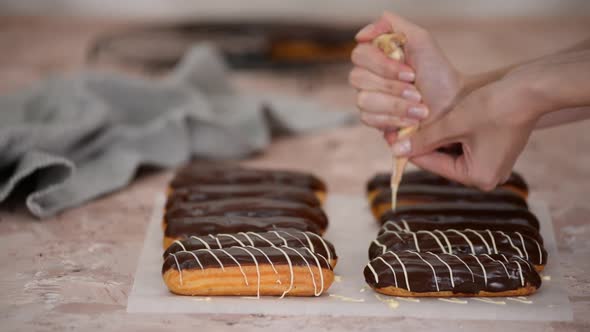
{"x": 393, "y": 94}
{"x": 492, "y": 126}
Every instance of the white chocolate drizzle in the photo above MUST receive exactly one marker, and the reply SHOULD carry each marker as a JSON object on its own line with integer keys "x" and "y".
{"x": 374, "y": 273}
{"x": 381, "y": 245}
{"x": 466, "y": 239}
{"x": 540, "y": 252}
{"x": 493, "y": 240}
{"x": 231, "y": 237}
{"x": 488, "y": 300}
{"x": 247, "y": 238}
{"x": 257, "y": 270}
{"x": 501, "y": 263}
{"x": 180, "y": 244}
{"x": 215, "y": 257}
{"x": 431, "y": 267}
{"x": 483, "y": 269}
{"x": 446, "y": 239}
{"x": 395, "y": 225}
{"x": 281, "y": 238}
{"x": 320, "y": 270}
{"x": 202, "y": 241}
{"x": 403, "y": 269}
{"x": 267, "y": 258}
{"x": 511, "y": 243}
{"x": 483, "y": 240}
{"x": 467, "y": 266}
{"x": 196, "y": 258}
{"x": 442, "y": 248}
{"x": 396, "y": 233}
{"x": 262, "y": 238}
{"x": 526, "y": 254}
{"x": 520, "y": 299}
{"x": 415, "y": 237}
{"x": 291, "y": 273}
{"x": 448, "y": 267}
{"x": 237, "y": 263}
{"x": 315, "y": 286}
{"x": 391, "y": 268}
{"x": 452, "y": 300}
{"x": 291, "y": 235}
{"x": 179, "y": 269}
{"x": 525, "y": 261}
{"x": 323, "y": 244}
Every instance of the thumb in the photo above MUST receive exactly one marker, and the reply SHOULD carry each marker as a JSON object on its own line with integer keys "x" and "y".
{"x": 373, "y": 30}
{"x": 428, "y": 138}
{"x": 388, "y": 22}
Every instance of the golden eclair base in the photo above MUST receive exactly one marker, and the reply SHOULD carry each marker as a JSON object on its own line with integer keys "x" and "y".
{"x": 394, "y": 291}
{"x": 379, "y": 209}
{"x": 215, "y": 282}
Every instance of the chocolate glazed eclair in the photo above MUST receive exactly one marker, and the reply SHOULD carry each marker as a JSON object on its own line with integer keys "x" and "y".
{"x": 182, "y": 228}
{"x": 280, "y": 237}
{"x": 248, "y": 271}
{"x": 410, "y": 195}
{"x": 460, "y": 216}
{"x": 232, "y": 175}
{"x": 246, "y": 207}
{"x": 410, "y": 273}
{"x": 204, "y": 193}
{"x": 459, "y": 242}
{"x": 381, "y": 181}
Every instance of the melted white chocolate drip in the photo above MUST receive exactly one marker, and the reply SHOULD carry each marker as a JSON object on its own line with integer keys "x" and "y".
{"x": 431, "y": 267}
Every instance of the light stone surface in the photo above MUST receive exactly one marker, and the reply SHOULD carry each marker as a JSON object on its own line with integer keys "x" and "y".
{"x": 74, "y": 271}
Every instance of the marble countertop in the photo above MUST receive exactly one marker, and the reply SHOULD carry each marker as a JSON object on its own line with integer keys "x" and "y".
{"x": 75, "y": 271}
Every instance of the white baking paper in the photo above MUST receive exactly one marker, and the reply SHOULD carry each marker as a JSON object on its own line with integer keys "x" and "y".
{"x": 351, "y": 230}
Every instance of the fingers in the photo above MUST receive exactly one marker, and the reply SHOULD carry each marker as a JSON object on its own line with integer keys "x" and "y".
{"x": 432, "y": 136}
{"x": 388, "y": 22}
{"x": 385, "y": 121}
{"x": 372, "y": 59}
{"x": 369, "y": 32}
{"x": 363, "y": 79}
{"x": 451, "y": 167}
{"x": 377, "y": 102}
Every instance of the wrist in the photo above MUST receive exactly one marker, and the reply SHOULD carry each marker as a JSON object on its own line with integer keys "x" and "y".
{"x": 519, "y": 102}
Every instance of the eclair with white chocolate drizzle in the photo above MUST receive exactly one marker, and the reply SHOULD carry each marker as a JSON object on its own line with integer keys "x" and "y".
{"x": 281, "y": 237}
{"x": 411, "y": 273}
{"x": 248, "y": 271}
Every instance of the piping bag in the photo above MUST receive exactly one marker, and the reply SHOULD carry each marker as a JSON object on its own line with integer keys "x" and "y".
{"x": 392, "y": 44}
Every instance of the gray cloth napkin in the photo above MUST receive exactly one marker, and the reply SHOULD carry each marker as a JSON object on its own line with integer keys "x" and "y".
{"x": 79, "y": 137}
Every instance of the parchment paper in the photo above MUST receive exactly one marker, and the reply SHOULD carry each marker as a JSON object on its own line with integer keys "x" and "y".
{"x": 351, "y": 230}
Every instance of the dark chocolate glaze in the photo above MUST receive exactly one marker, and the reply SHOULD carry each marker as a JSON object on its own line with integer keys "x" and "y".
{"x": 420, "y": 177}
{"x": 456, "y": 242}
{"x": 243, "y": 255}
{"x": 440, "y": 223}
{"x": 289, "y": 237}
{"x": 422, "y": 194}
{"x": 245, "y": 207}
{"x": 204, "y": 193}
{"x": 470, "y": 280}
{"x": 185, "y": 227}
{"x": 190, "y": 176}
{"x": 491, "y": 215}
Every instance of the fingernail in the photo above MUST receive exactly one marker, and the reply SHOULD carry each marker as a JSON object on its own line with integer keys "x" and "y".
{"x": 411, "y": 95}
{"x": 418, "y": 112}
{"x": 365, "y": 30}
{"x": 402, "y": 147}
{"x": 407, "y": 76}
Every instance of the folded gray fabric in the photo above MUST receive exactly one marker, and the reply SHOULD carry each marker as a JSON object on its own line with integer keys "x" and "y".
{"x": 76, "y": 138}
